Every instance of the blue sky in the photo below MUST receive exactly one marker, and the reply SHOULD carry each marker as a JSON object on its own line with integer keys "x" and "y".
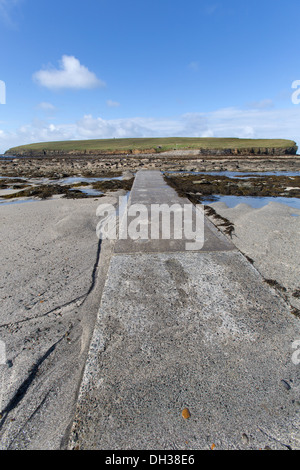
{"x": 135, "y": 68}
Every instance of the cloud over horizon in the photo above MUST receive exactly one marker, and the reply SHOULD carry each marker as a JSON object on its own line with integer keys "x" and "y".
{"x": 71, "y": 75}
{"x": 225, "y": 122}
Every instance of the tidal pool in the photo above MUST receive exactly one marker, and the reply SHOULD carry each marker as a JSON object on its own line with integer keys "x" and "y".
{"x": 237, "y": 174}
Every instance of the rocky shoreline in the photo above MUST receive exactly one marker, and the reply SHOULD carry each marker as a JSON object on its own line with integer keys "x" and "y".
{"x": 102, "y": 165}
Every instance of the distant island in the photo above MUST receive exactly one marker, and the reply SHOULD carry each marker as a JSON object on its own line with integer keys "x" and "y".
{"x": 135, "y": 146}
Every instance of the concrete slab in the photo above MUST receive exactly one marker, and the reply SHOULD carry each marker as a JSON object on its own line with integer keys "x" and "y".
{"x": 188, "y": 330}
{"x": 150, "y": 188}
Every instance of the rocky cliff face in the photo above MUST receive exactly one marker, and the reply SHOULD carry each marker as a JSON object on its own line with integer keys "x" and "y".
{"x": 201, "y": 152}
{"x": 251, "y": 151}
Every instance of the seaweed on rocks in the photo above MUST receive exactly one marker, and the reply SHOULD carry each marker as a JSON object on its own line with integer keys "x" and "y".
{"x": 46, "y": 191}
{"x": 200, "y": 187}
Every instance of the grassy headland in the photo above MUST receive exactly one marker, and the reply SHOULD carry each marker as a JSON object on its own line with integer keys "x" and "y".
{"x": 230, "y": 146}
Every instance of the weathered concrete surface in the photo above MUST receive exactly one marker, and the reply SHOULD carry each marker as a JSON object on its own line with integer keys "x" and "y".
{"x": 197, "y": 330}
{"x": 150, "y": 188}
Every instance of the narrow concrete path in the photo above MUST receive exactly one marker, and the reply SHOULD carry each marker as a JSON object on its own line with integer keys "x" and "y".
{"x": 197, "y": 330}
{"x": 150, "y": 188}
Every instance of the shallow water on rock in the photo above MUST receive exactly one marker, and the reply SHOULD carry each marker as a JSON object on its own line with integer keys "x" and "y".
{"x": 237, "y": 174}
{"x": 256, "y": 201}
{"x": 68, "y": 181}
{"x": 76, "y": 179}
{"x": 88, "y": 191}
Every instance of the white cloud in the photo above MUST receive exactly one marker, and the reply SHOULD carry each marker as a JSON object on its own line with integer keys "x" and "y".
{"x": 227, "y": 122}
{"x": 70, "y": 75}
{"x": 34, "y": 132}
{"x": 263, "y": 104}
{"x": 44, "y": 106}
{"x": 89, "y": 128}
{"x": 112, "y": 104}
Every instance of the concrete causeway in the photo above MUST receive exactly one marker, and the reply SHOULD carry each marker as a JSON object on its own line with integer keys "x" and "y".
{"x": 197, "y": 330}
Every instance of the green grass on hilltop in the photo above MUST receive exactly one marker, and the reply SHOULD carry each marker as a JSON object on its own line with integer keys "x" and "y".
{"x": 157, "y": 144}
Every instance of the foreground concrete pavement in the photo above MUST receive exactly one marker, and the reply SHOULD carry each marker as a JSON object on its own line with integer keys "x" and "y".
{"x": 188, "y": 330}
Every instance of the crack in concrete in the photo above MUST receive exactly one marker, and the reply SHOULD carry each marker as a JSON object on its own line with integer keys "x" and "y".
{"x": 274, "y": 439}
